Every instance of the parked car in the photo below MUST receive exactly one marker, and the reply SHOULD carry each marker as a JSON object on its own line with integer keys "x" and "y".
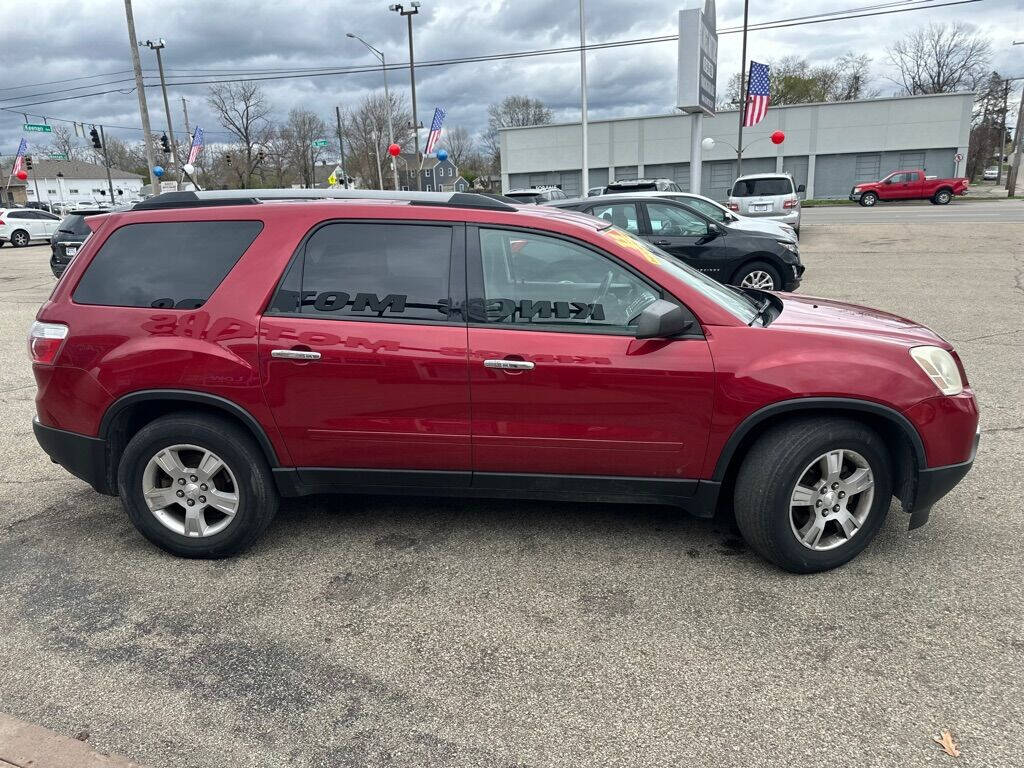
{"x": 38, "y": 206}
{"x": 991, "y": 174}
{"x": 909, "y": 185}
{"x": 537, "y": 195}
{"x": 594, "y": 191}
{"x": 69, "y": 238}
{"x": 223, "y": 356}
{"x": 20, "y": 226}
{"x": 738, "y": 257}
{"x": 723, "y": 215}
{"x": 768, "y": 195}
{"x": 642, "y": 185}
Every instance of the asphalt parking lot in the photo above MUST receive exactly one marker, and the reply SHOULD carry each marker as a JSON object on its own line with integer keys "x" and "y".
{"x": 368, "y": 631}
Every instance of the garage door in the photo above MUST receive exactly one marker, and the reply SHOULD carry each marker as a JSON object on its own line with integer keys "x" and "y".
{"x": 868, "y": 167}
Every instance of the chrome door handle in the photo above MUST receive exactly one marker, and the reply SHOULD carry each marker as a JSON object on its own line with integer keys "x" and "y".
{"x": 662, "y": 242}
{"x": 294, "y": 354}
{"x": 509, "y": 365}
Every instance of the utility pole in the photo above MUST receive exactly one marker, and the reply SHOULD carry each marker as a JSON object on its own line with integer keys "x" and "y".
{"x": 743, "y": 91}
{"x": 106, "y": 163}
{"x": 341, "y": 149}
{"x": 414, "y": 9}
{"x": 585, "y": 177}
{"x": 140, "y": 89}
{"x": 1002, "y": 132}
{"x": 159, "y": 46}
{"x": 1018, "y": 134}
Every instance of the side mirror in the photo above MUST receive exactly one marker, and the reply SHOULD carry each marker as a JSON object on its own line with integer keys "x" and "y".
{"x": 714, "y": 230}
{"x": 801, "y": 188}
{"x": 662, "y": 320}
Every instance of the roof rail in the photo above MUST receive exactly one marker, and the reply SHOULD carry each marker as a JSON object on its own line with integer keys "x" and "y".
{"x": 256, "y": 196}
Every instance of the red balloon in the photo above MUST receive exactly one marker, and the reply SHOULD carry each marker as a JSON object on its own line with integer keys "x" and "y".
{"x": 22, "y": 175}
{"x": 778, "y": 137}
{"x": 394, "y": 150}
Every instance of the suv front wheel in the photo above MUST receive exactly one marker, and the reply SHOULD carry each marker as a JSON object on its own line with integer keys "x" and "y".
{"x": 812, "y": 494}
{"x": 196, "y": 486}
{"x": 758, "y": 275}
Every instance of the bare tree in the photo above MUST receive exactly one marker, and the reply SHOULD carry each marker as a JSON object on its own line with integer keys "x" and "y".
{"x": 367, "y": 136}
{"x": 511, "y": 112}
{"x": 941, "y": 58}
{"x": 460, "y": 145}
{"x": 277, "y": 165}
{"x": 242, "y": 110}
{"x": 795, "y": 81}
{"x": 302, "y": 129}
{"x": 63, "y": 141}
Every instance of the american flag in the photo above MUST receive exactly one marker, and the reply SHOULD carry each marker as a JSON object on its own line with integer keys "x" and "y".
{"x": 435, "y": 131}
{"x": 19, "y": 161}
{"x": 197, "y": 145}
{"x": 758, "y": 89}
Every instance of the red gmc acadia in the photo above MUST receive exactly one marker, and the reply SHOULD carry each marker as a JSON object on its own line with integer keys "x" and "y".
{"x": 207, "y": 353}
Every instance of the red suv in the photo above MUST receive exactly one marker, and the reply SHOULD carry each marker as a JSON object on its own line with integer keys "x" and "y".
{"x": 209, "y": 352}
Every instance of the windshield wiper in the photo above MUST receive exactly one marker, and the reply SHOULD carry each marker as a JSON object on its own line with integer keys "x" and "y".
{"x": 761, "y": 312}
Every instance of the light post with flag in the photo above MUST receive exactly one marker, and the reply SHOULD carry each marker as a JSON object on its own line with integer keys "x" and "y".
{"x": 189, "y": 166}
{"x": 435, "y": 132}
{"x": 755, "y": 106}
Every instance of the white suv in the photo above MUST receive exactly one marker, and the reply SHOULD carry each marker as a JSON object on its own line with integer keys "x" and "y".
{"x": 20, "y": 226}
{"x": 769, "y": 195}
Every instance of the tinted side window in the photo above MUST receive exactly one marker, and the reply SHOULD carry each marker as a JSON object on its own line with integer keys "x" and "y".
{"x": 360, "y": 271}
{"x": 174, "y": 264}
{"x": 622, "y": 215}
{"x": 672, "y": 221}
{"x": 533, "y": 280}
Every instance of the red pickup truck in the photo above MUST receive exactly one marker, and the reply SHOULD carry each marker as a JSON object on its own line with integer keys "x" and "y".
{"x": 909, "y": 185}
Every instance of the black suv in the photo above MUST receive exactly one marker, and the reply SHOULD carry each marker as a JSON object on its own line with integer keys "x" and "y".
{"x": 69, "y": 237}
{"x": 743, "y": 258}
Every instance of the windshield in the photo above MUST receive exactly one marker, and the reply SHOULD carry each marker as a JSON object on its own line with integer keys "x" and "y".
{"x": 529, "y": 197}
{"x": 734, "y": 302}
{"x": 762, "y": 187}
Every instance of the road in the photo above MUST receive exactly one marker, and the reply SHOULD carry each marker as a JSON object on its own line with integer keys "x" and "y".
{"x": 371, "y": 631}
{"x": 995, "y": 212}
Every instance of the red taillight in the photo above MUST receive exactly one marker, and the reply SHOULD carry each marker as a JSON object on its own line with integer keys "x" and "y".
{"x": 45, "y": 341}
{"x": 1, "y": 222}
{"x": 789, "y": 203}
{"x": 733, "y": 206}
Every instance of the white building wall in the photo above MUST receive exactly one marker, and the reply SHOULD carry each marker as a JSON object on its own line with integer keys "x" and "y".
{"x": 82, "y": 190}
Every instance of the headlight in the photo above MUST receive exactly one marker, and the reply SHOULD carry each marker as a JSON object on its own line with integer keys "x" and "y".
{"x": 940, "y": 367}
{"x": 791, "y": 247}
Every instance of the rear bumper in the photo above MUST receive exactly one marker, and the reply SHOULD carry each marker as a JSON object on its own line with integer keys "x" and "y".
{"x": 791, "y": 217}
{"x": 934, "y": 483}
{"x": 83, "y": 456}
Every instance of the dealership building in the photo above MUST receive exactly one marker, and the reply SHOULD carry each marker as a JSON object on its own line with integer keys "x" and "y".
{"x": 828, "y": 147}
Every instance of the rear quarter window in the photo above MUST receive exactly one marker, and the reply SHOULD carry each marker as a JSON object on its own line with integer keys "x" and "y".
{"x": 164, "y": 265}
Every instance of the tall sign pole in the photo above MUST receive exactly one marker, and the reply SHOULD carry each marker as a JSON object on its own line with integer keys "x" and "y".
{"x": 341, "y": 149}
{"x": 1018, "y": 134}
{"x": 697, "y": 89}
{"x": 140, "y": 89}
{"x": 743, "y": 92}
{"x": 585, "y": 177}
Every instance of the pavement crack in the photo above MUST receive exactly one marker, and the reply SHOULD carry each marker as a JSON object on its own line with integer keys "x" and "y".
{"x": 991, "y": 430}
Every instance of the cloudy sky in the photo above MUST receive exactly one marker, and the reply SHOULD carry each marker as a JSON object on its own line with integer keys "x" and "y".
{"x": 87, "y": 40}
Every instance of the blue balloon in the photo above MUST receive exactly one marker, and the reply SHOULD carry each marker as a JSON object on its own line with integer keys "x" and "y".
{"x": 158, "y": 171}
{"x": 442, "y": 155}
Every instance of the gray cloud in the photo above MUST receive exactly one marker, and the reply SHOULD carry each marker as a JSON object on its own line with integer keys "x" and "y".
{"x": 88, "y": 37}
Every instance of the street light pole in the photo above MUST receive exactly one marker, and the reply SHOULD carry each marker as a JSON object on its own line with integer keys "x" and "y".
{"x": 743, "y": 91}
{"x": 387, "y": 99}
{"x": 585, "y": 177}
{"x": 414, "y": 8}
{"x": 159, "y": 46}
{"x": 140, "y": 89}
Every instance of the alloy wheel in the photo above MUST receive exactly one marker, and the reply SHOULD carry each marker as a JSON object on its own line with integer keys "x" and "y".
{"x": 20, "y": 239}
{"x": 190, "y": 490}
{"x": 759, "y": 279}
{"x": 831, "y": 499}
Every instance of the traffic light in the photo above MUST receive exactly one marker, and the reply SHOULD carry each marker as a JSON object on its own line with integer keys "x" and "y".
{"x": 165, "y": 145}
{"x": 28, "y": 162}
{"x": 95, "y": 136}
{"x": 260, "y": 157}
{"x": 227, "y": 158}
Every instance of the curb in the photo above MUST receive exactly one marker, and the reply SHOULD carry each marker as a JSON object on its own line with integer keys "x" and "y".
{"x": 23, "y": 745}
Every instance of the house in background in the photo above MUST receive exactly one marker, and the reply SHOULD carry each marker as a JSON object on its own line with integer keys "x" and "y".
{"x": 441, "y": 176}
{"x": 80, "y": 182}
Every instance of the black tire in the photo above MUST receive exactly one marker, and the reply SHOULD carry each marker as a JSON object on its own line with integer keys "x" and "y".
{"x": 758, "y": 266}
{"x": 942, "y": 197}
{"x": 868, "y": 199}
{"x": 770, "y": 472}
{"x": 20, "y": 238}
{"x": 257, "y": 502}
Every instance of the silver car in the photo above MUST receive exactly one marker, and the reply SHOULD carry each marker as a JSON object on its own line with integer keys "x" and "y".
{"x": 767, "y": 195}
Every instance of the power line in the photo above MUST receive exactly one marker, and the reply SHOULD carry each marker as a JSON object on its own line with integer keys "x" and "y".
{"x": 902, "y": 6}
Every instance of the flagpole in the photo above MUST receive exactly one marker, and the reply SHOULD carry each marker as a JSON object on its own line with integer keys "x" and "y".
{"x": 743, "y": 92}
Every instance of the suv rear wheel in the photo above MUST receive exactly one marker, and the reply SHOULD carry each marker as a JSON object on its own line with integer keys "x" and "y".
{"x": 19, "y": 238}
{"x": 758, "y": 275}
{"x": 942, "y": 197}
{"x": 196, "y": 486}
{"x": 812, "y": 494}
